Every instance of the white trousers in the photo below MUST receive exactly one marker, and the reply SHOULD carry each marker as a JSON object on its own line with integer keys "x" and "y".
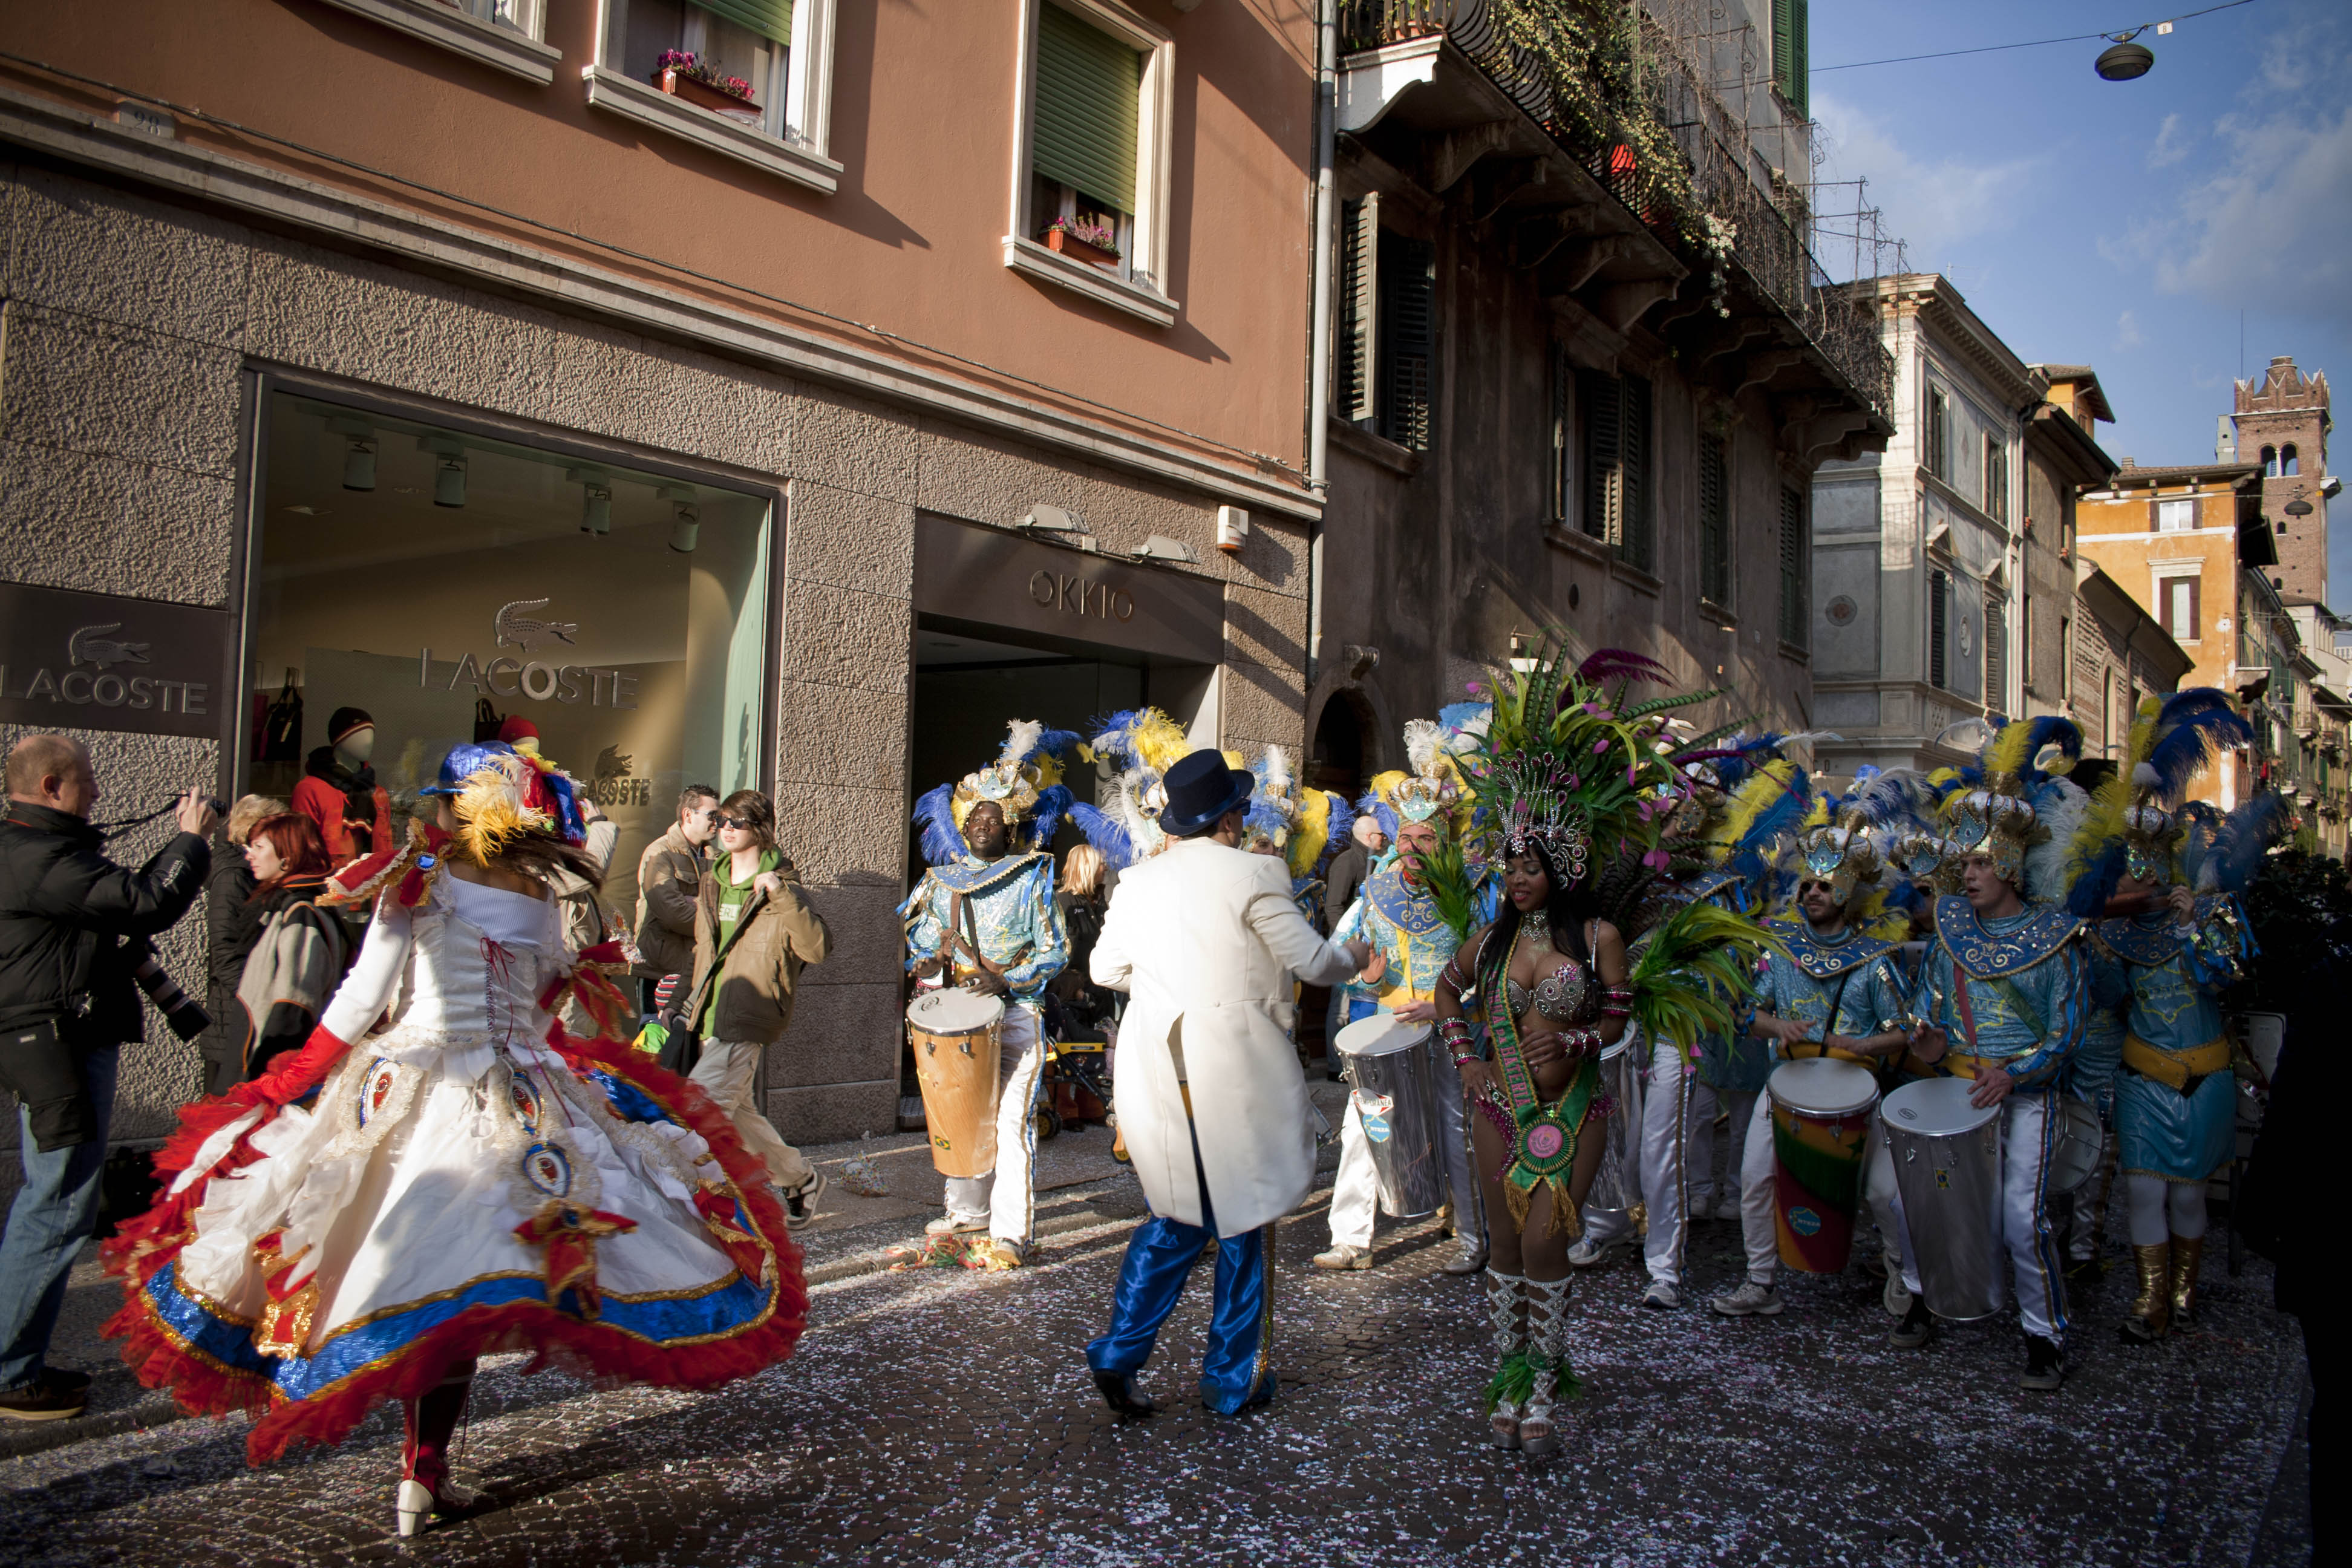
{"x": 1758, "y": 1199}
{"x": 2033, "y": 1261}
{"x": 1355, "y": 1191}
{"x": 1663, "y": 1116}
{"x": 726, "y": 1071}
{"x": 1698, "y": 1154}
{"x": 1005, "y": 1197}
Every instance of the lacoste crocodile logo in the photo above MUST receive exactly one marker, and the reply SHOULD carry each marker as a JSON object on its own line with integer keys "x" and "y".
{"x": 516, "y": 629}
{"x": 90, "y": 644}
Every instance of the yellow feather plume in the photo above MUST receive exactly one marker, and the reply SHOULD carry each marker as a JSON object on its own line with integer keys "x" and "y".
{"x": 1880, "y": 921}
{"x": 491, "y": 811}
{"x": 1384, "y": 786}
{"x": 2007, "y": 752}
{"x": 1763, "y": 789}
{"x": 1312, "y": 832}
{"x": 1161, "y": 742}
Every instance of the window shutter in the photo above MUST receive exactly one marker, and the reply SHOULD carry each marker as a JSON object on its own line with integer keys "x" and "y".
{"x": 1714, "y": 526}
{"x": 1596, "y": 394}
{"x": 1637, "y": 503}
{"x": 769, "y": 18}
{"x": 1781, "y": 47}
{"x": 1792, "y": 567}
{"x": 1996, "y": 652}
{"x": 2193, "y": 608}
{"x": 1359, "y": 294}
{"x": 1560, "y": 372}
{"x": 1088, "y": 87}
{"x": 1800, "y": 92}
{"x": 1409, "y": 329}
{"x": 1940, "y": 596}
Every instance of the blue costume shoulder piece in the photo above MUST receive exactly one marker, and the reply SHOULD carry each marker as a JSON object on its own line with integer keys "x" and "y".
{"x": 968, "y": 876}
{"x": 1828, "y": 960}
{"x": 2212, "y": 937}
{"x": 1415, "y": 914}
{"x": 1989, "y": 955}
{"x": 1727, "y": 887}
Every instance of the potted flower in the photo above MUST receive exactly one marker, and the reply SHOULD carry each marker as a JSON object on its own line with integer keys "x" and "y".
{"x": 681, "y": 75}
{"x": 1094, "y": 243}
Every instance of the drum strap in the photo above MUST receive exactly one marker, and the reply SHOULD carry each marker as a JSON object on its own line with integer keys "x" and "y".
{"x": 963, "y": 933}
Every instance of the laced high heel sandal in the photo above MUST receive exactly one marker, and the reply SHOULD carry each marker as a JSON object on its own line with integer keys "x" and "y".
{"x": 426, "y": 1492}
{"x": 1546, "y": 1355}
{"x": 1506, "y": 1308}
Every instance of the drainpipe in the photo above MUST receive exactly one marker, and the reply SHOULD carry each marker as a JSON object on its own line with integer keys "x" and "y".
{"x": 1318, "y": 372}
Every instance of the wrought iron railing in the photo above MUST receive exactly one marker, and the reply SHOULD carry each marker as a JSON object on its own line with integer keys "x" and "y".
{"x": 1768, "y": 244}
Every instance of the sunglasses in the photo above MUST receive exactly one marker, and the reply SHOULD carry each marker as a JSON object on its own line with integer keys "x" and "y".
{"x": 740, "y": 823}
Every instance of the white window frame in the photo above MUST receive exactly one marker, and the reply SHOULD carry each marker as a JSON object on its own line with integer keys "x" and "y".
{"x": 799, "y": 155}
{"x": 1140, "y": 293}
{"x": 517, "y": 49}
{"x": 2177, "y": 505}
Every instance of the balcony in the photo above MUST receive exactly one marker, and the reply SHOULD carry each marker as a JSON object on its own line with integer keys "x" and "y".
{"x": 1705, "y": 198}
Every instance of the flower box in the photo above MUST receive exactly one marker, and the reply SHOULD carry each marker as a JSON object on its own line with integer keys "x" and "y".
{"x": 1068, "y": 244}
{"x": 702, "y": 95}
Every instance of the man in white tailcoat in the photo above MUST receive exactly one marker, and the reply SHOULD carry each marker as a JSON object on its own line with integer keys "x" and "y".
{"x": 1207, "y": 940}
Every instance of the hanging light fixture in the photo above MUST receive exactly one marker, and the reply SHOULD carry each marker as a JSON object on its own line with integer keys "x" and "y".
{"x": 686, "y": 518}
{"x": 595, "y": 499}
{"x": 359, "y": 452}
{"x": 448, "y": 468}
{"x": 2122, "y": 60}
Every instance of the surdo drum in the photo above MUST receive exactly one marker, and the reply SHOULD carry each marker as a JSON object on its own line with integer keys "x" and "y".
{"x": 1387, "y": 1062}
{"x": 1947, "y": 1166}
{"x": 957, "y": 1039}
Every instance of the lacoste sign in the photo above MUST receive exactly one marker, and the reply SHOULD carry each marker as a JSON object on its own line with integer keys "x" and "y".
{"x": 520, "y": 624}
{"x": 95, "y": 662}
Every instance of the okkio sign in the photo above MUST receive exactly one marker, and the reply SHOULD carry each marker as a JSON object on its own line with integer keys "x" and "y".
{"x": 96, "y": 661}
{"x": 519, "y": 623}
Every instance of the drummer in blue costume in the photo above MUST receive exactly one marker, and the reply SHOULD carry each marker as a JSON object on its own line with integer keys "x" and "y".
{"x": 1838, "y": 993}
{"x": 2168, "y": 952}
{"x": 1413, "y": 909}
{"x": 984, "y": 917}
{"x": 2004, "y": 998}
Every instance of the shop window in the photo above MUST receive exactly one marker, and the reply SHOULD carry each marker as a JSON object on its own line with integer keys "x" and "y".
{"x": 1620, "y": 492}
{"x": 2176, "y": 516}
{"x": 1713, "y": 523}
{"x": 1093, "y": 208}
{"x": 748, "y": 79}
{"x": 1387, "y": 327}
{"x": 444, "y": 582}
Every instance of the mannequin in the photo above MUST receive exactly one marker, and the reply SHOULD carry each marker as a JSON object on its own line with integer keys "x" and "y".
{"x": 338, "y": 791}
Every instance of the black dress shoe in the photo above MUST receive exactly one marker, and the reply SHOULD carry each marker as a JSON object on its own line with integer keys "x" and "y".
{"x": 2046, "y": 1363}
{"x": 1119, "y": 1392}
{"x": 1916, "y": 1327}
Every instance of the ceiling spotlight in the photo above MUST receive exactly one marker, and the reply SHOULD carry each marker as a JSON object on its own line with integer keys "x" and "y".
{"x": 2123, "y": 60}
{"x": 595, "y": 499}
{"x": 359, "y": 452}
{"x": 448, "y": 468}
{"x": 685, "y": 527}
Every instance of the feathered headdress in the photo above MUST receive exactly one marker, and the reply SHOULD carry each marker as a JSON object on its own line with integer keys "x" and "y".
{"x": 1025, "y": 782}
{"x": 2016, "y": 807}
{"x": 1137, "y": 745}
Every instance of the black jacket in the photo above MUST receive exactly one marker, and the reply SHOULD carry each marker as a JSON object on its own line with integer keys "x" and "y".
{"x": 65, "y": 908}
{"x": 234, "y": 923}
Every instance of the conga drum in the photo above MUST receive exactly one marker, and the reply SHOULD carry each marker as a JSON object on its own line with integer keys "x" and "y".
{"x": 957, "y": 1039}
{"x": 1387, "y": 1061}
{"x": 1948, "y": 1167}
{"x": 1820, "y": 1135}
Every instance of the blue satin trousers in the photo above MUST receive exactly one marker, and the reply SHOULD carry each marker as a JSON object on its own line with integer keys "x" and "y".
{"x": 1236, "y": 1370}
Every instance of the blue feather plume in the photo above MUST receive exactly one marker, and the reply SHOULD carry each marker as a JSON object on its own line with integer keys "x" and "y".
{"x": 1053, "y": 803}
{"x": 2246, "y": 835}
{"x": 1753, "y": 854}
{"x": 1343, "y": 830}
{"x": 2088, "y": 899}
{"x": 1104, "y": 833}
{"x": 2191, "y": 727}
{"x": 1056, "y": 743}
{"x": 1381, "y": 812}
{"x": 935, "y": 816}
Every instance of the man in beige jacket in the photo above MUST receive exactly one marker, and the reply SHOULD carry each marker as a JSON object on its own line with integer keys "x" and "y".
{"x": 669, "y": 875}
{"x": 749, "y": 903}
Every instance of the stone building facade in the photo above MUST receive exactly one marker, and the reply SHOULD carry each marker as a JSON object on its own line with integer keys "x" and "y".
{"x": 777, "y": 449}
{"x": 2279, "y": 424}
{"x": 2062, "y": 457}
{"x": 2118, "y": 654}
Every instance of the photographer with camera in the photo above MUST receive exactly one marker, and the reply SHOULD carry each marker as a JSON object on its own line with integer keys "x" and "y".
{"x": 75, "y": 931}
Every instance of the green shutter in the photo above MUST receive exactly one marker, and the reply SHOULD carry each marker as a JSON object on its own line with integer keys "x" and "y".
{"x": 769, "y": 18}
{"x": 1088, "y": 87}
{"x": 1801, "y": 59}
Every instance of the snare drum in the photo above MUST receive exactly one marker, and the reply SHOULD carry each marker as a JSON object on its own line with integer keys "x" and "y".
{"x": 1947, "y": 1157}
{"x": 1821, "y": 1132}
{"x": 958, "y": 1038}
{"x": 1388, "y": 1063}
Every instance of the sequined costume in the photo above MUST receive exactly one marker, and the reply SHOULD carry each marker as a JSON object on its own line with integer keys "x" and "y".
{"x": 2175, "y": 1096}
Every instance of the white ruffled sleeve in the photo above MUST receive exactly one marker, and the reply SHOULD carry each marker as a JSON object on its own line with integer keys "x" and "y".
{"x": 368, "y": 989}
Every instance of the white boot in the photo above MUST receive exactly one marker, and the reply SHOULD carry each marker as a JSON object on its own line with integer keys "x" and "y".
{"x": 1506, "y": 1308}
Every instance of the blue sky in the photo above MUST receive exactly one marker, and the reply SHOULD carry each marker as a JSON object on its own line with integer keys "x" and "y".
{"x": 2121, "y": 224}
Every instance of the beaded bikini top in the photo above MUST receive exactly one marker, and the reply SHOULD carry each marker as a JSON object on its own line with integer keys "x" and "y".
{"x": 1559, "y": 995}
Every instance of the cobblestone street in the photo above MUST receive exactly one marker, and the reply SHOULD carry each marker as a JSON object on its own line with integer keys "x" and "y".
{"x": 946, "y": 1416}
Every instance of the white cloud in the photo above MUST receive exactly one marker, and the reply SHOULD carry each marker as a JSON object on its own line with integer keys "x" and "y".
{"x": 1934, "y": 205}
{"x": 2274, "y": 223}
{"x": 2127, "y": 333}
{"x": 2171, "y": 146}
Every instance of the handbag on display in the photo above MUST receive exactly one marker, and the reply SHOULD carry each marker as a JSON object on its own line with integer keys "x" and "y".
{"x": 487, "y": 721}
{"x": 277, "y": 733}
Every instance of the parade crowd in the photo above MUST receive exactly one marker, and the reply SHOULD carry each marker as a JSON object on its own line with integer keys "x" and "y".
{"x": 455, "y": 1105}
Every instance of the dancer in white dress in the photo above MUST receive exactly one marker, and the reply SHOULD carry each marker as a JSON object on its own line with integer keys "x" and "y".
{"x": 365, "y": 1220}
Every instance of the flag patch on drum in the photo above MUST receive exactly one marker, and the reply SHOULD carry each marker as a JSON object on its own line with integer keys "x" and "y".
{"x": 1373, "y": 1112}
{"x": 1804, "y": 1222}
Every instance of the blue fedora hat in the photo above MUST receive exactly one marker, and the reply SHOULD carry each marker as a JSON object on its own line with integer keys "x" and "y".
{"x": 463, "y": 763}
{"x": 1201, "y": 788}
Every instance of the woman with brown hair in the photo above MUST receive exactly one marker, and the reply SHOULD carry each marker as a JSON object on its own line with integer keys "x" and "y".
{"x": 752, "y": 931}
{"x": 232, "y": 924}
{"x": 300, "y": 951}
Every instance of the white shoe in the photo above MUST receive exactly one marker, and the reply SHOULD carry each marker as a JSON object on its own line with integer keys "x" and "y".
{"x": 1894, "y": 1298}
{"x": 1750, "y": 1300}
{"x": 1342, "y": 1257}
{"x": 1701, "y": 1206}
{"x": 1591, "y": 1254}
{"x": 1728, "y": 1206}
{"x": 1661, "y": 1297}
{"x": 956, "y": 1225}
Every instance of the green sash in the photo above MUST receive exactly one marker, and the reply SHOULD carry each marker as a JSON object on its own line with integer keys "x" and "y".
{"x": 1543, "y": 1146}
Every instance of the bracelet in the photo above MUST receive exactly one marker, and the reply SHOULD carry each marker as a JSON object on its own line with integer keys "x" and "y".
{"x": 1465, "y": 1057}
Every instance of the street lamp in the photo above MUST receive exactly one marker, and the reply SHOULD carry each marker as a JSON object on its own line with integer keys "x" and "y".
{"x": 2123, "y": 60}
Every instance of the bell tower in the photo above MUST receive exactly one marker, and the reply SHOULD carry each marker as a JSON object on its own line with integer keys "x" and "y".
{"x": 2281, "y": 421}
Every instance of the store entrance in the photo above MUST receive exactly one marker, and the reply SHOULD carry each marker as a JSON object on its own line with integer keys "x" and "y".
{"x": 971, "y": 678}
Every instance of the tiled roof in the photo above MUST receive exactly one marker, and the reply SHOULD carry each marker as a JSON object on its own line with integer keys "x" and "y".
{"x": 2127, "y": 474}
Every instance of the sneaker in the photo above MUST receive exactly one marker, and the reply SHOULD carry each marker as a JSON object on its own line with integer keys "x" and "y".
{"x": 956, "y": 1225}
{"x": 1662, "y": 1297}
{"x": 1591, "y": 1254}
{"x": 799, "y": 1204}
{"x": 1702, "y": 1206}
{"x": 1894, "y": 1298}
{"x": 56, "y": 1397}
{"x": 1471, "y": 1260}
{"x": 2046, "y": 1363}
{"x": 1343, "y": 1255}
{"x": 1916, "y": 1329}
{"x": 1728, "y": 1206}
{"x": 1750, "y": 1300}
{"x": 1003, "y": 1254}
